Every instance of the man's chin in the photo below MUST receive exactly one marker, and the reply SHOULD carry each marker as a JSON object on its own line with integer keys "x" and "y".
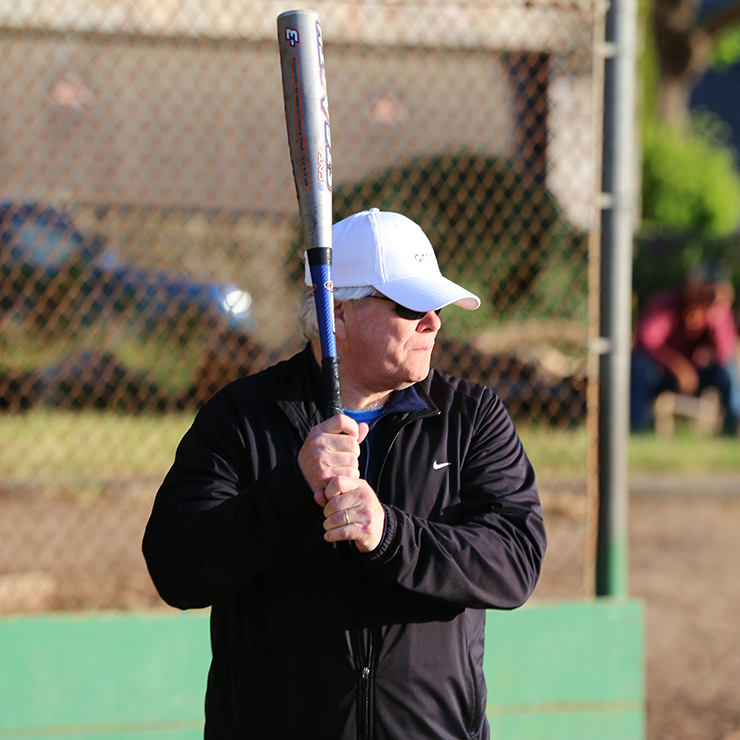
{"x": 408, "y": 383}
{"x": 421, "y": 375}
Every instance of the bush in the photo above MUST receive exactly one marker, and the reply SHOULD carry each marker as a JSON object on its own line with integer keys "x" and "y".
{"x": 726, "y": 50}
{"x": 495, "y": 227}
{"x": 689, "y": 181}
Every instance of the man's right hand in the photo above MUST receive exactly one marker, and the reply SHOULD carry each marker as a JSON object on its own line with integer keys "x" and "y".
{"x": 687, "y": 378}
{"x": 331, "y": 449}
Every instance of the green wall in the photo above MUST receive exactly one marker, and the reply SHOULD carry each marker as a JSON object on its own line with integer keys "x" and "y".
{"x": 568, "y": 670}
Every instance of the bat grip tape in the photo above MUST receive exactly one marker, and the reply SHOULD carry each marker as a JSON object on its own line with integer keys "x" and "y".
{"x": 319, "y": 261}
{"x": 330, "y": 369}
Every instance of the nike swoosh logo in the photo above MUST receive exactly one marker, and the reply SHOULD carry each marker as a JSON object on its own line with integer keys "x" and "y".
{"x": 439, "y": 466}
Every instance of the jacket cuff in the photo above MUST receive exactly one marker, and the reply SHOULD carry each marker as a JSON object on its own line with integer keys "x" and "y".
{"x": 388, "y": 545}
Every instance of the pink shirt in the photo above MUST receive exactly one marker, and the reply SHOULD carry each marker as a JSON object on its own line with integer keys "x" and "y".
{"x": 704, "y": 335}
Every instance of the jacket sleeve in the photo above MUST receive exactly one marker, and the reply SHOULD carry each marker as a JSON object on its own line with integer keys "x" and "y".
{"x": 723, "y": 331}
{"x": 490, "y": 558}
{"x": 214, "y": 527}
{"x": 656, "y": 322}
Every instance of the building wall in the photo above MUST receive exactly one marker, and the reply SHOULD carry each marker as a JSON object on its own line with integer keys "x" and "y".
{"x": 200, "y": 123}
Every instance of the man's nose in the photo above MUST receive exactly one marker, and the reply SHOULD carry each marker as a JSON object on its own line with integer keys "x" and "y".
{"x": 430, "y": 322}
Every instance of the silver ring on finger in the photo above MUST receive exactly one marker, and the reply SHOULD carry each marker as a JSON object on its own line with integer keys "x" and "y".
{"x": 346, "y": 517}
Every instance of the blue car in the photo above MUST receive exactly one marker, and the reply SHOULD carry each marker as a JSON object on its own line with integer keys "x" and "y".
{"x": 49, "y": 268}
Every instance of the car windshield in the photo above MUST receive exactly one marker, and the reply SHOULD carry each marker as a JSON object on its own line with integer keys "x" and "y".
{"x": 42, "y": 243}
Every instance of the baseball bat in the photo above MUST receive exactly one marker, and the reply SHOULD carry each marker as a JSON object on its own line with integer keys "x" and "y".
{"x": 309, "y": 138}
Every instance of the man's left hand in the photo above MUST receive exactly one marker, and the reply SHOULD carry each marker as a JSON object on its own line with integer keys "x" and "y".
{"x": 352, "y": 512}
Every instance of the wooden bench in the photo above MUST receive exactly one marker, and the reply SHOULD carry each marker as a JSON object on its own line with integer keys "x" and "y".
{"x": 703, "y": 412}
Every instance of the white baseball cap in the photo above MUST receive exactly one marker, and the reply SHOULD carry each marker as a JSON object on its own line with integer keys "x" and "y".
{"x": 393, "y": 254}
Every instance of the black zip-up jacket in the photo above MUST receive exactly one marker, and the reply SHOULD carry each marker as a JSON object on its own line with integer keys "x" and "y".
{"x": 314, "y": 640}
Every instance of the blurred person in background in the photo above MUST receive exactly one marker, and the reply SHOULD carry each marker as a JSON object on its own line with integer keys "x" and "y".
{"x": 686, "y": 340}
{"x": 349, "y": 561}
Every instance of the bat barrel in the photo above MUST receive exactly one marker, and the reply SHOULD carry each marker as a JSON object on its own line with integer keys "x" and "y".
{"x": 307, "y": 120}
{"x": 309, "y": 137}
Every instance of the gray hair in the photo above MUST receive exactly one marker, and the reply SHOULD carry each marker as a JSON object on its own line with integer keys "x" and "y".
{"x": 306, "y": 314}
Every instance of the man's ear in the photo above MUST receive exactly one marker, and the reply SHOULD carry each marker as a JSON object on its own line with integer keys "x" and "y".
{"x": 340, "y": 327}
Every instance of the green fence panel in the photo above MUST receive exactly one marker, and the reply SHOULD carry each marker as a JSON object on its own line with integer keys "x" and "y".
{"x": 103, "y": 675}
{"x": 571, "y": 670}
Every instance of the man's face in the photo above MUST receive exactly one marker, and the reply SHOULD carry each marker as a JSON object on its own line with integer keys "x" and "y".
{"x": 380, "y": 351}
{"x": 704, "y": 293}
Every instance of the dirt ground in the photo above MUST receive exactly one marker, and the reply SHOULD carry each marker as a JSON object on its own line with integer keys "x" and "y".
{"x": 684, "y": 558}
{"x": 81, "y": 553}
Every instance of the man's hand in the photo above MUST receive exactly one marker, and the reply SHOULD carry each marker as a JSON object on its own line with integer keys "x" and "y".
{"x": 329, "y": 460}
{"x": 332, "y": 448}
{"x": 687, "y": 378}
{"x": 352, "y": 512}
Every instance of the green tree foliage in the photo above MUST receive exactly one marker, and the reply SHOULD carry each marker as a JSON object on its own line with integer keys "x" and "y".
{"x": 494, "y": 226}
{"x": 689, "y": 180}
{"x": 726, "y": 51}
{"x": 690, "y": 183}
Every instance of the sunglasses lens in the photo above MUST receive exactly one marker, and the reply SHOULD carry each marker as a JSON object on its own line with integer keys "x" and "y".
{"x": 407, "y": 313}
{"x": 402, "y": 311}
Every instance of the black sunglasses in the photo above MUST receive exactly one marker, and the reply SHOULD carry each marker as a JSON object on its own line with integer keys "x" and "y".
{"x": 402, "y": 311}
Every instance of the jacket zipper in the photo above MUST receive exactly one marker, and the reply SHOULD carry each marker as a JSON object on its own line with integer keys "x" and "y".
{"x": 364, "y": 725}
{"x": 365, "y": 702}
{"x": 363, "y": 649}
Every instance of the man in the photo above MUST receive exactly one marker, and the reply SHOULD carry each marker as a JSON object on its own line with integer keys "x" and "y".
{"x": 686, "y": 341}
{"x": 348, "y": 561}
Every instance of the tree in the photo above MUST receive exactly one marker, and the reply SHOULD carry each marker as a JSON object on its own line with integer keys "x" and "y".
{"x": 686, "y": 42}
{"x": 493, "y": 223}
{"x": 690, "y": 181}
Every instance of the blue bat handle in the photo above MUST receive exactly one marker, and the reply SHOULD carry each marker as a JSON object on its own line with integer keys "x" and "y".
{"x": 324, "y": 297}
{"x": 320, "y": 267}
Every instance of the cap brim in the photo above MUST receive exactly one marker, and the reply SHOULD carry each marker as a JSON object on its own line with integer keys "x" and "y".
{"x": 428, "y": 293}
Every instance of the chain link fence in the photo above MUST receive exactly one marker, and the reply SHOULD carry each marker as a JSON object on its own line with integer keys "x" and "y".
{"x": 150, "y": 244}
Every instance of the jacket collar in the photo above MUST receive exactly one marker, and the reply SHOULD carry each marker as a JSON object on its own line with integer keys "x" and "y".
{"x": 303, "y": 399}
{"x": 411, "y": 400}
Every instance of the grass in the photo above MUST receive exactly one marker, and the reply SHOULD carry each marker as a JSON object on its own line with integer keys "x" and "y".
{"x": 54, "y": 445}
{"x": 563, "y": 452}
{"x": 687, "y": 453}
{"x": 57, "y": 446}
{"x": 555, "y": 452}
{"x": 165, "y": 362}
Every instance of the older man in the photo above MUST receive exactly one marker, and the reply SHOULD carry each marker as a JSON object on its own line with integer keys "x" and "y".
{"x": 348, "y": 561}
{"x": 686, "y": 340}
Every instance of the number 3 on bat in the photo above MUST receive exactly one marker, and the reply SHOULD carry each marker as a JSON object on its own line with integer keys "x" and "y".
{"x": 292, "y": 37}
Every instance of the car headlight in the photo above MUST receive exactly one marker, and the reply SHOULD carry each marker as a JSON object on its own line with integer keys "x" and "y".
{"x": 237, "y": 303}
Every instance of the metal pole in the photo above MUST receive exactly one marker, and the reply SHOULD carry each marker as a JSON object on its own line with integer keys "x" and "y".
{"x": 619, "y": 186}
